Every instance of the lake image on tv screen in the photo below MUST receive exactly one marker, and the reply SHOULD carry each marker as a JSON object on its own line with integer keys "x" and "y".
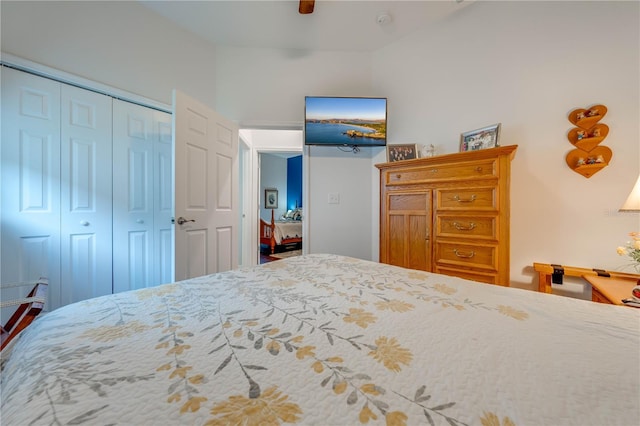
{"x": 345, "y": 121}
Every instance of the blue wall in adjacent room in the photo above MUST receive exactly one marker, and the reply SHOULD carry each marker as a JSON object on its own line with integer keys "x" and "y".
{"x": 294, "y": 182}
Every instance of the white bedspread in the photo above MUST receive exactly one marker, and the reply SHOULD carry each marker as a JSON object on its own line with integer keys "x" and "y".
{"x": 287, "y": 229}
{"x": 327, "y": 340}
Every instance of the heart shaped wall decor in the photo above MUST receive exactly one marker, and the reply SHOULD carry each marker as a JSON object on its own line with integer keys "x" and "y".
{"x": 589, "y": 157}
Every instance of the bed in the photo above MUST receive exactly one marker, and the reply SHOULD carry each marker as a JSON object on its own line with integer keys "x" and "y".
{"x": 327, "y": 340}
{"x": 281, "y": 232}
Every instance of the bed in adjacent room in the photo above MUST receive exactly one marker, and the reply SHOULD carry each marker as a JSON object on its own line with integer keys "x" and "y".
{"x": 284, "y": 232}
{"x": 327, "y": 340}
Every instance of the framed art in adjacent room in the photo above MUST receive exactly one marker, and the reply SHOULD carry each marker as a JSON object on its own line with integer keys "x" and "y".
{"x": 486, "y": 137}
{"x": 271, "y": 198}
{"x": 401, "y": 152}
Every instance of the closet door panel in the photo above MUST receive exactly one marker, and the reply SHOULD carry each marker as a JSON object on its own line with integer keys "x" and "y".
{"x": 163, "y": 198}
{"x": 143, "y": 203}
{"x": 133, "y": 200}
{"x": 30, "y": 200}
{"x": 85, "y": 194}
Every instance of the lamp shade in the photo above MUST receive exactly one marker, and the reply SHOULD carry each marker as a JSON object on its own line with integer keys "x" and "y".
{"x": 633, "y": 202}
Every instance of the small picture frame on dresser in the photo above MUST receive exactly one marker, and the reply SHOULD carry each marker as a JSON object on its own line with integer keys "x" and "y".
{"x": 483, "y": 138}
{"x": 401, "y": 152}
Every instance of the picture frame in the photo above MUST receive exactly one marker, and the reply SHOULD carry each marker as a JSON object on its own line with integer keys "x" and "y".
{"x": 483, "y": 138}
{"x": 270, "y": 198}
{"x": 401, "y": 152}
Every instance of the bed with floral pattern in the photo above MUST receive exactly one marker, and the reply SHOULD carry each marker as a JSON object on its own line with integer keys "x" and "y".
{"x": 327, "y": 340}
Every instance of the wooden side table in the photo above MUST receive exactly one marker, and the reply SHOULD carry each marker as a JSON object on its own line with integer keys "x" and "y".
{"x": 609, "y": 289}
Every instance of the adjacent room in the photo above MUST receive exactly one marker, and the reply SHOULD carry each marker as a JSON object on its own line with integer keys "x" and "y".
{"x": 320, "y": 212}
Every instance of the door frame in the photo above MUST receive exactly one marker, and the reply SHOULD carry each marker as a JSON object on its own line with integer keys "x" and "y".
{"x": 252, "y": 209}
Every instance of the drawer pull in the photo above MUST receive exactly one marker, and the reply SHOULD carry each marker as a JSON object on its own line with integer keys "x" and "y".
{"x": 479, "y": 169}
{"x": 434, "y": 170}
{"x": 398, "y": 176}
{"x": 469, "y": 200}
{"x": 459, "y": 227}
{"x": 464, "y": 255}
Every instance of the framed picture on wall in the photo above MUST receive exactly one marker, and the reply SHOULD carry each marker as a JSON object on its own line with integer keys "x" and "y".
{"x": 270, "y": 198}
{"x": 401, "y": 152}
{"x": 486, "y": 137}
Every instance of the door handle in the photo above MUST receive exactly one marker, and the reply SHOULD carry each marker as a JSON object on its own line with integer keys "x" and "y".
{"x": 181, "y": 220}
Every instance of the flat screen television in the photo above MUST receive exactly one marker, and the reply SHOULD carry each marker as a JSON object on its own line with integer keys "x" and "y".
{"x": 345, "y": 121}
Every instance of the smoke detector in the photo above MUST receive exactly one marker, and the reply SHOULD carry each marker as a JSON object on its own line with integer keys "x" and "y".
{"x": 383, "y": 18}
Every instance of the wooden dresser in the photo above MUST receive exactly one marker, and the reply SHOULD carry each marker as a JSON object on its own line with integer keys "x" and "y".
{"x": 448, "y": 214}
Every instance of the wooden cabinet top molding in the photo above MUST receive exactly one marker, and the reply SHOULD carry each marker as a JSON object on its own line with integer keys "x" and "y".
{"x": 457, "y": 156}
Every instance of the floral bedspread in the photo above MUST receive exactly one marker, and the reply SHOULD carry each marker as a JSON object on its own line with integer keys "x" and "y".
{"x": 327, "y": 340}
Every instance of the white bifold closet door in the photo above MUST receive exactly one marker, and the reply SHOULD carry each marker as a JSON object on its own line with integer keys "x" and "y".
{"x": 56, "y": 187}
{"x": 30, "y": 210}
{"x": 142, "y": 199}
{"x": 86, "y": 191}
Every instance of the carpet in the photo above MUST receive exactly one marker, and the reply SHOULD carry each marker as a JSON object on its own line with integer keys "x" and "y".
{"x": 287, "y": 254}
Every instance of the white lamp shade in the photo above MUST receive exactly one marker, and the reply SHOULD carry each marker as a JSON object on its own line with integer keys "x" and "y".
{"x": 633, "y": 202}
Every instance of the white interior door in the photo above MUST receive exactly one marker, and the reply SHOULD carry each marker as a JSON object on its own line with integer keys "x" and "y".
{"x": 206, "y": 189}
{"x": 30, "y": 209}
{"x": 85, "y": 194}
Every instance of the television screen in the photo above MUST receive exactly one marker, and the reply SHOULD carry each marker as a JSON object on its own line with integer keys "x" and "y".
{"x": 345, "y": 121}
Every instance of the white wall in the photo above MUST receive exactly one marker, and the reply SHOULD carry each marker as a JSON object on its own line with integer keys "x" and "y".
{"x": 524, "y": 64}
{"x": 121, "y": 44}
{"x": 527, "y": 65}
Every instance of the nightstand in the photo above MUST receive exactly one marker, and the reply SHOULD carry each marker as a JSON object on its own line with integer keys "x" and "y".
{"x": 610, "y": 290}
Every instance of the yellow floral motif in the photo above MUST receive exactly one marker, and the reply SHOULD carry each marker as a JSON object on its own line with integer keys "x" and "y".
{"x": 270, "y": 408}
{"x": 513, "y": 313}
{"x": 366, "y": 414}
{"x": 273, "y": 347}
{"x": 391, "y": 354}
{"x": 443, "y": 288}
{"x": 394, "y": 305}
{"x": 297, "y": 339}
{"x": 192, "y": 404}
{"x": 340, "y": 387}
{"x": 180, "y": 372}
{"x": 458, "y": 307}
{"x": 107, "y": 333}
{"x": 148, "y": 293}
{"x": 317, "y": 367}
{"x": 396, "y": 418}
{"x": 176, "y": 397}
{"x": 305, "y": 351}
{"x": 490, "y": 419}
{"x": 370, "y": 388}
{"x": 360, "y": 317}
{"x": 178, "y": 349}
{"x": 197, "y": 379}
{"x": 417, "y": 276}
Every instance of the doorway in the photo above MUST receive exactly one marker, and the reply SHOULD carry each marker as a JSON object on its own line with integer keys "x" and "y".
{"x": 283, "y": 143}
{"x": 281, "y": 205}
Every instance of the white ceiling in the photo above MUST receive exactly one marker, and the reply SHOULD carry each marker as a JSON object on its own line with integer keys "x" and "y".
{"x": 350, "y": 25}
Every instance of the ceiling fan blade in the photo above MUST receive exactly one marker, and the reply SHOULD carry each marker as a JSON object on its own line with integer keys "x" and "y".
{"x": 306, "y": 6}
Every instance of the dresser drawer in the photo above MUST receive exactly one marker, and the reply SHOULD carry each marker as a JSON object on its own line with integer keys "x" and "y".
{"x": 469, "y": 255}
{"x": 488, "y": 278}
{"x": 475, "y": 198}
{"x": 472, "y": 227}
{"x": 452, "y": 172}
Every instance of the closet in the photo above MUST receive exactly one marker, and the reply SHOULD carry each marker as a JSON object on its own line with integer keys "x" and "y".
{"x": 86, "y": 190}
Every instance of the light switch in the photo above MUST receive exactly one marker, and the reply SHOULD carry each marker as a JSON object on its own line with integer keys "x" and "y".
{"x": 334, "y": 198}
